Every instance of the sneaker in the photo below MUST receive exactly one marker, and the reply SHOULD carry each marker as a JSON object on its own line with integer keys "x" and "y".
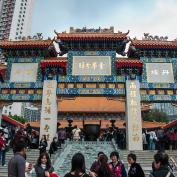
{"x": 4, "y": 165}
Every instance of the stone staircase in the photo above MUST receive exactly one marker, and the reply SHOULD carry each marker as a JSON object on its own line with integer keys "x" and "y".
{"x": 62, "y": 159}
{"x": 32, "y": 156}
{"x": 90, "y": 150}
{"x": 145, "y": 159}
{"x": 62, "y": 162}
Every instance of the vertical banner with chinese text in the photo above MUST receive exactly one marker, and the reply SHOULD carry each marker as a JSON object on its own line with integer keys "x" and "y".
{"x": 48, "y": 122}
{"x": 133, "y": 116}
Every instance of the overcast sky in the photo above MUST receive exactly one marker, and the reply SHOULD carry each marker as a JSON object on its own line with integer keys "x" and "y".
{"x": 157, "y": 17}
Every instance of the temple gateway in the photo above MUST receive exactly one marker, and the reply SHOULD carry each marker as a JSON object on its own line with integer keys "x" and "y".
{"x": 87, "y": 80}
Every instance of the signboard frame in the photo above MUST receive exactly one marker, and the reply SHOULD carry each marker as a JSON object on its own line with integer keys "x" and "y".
{"x": 159, "y": 60}
{"x": 71, "y": 54}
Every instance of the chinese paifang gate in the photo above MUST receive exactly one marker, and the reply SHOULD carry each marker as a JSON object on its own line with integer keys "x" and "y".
{"x": 87, "y": 82}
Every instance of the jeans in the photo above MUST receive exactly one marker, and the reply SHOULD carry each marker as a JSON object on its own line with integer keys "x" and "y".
{"x": 2, "y": 156}
{"x": 151, "y": 145}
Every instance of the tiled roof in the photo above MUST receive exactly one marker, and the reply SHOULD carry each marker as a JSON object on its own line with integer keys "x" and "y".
{"x": 62, "y": 62}
{"x": 25, "y": 44}
{"x": 92, "y": 104}
{"x": 12, "y": 121}
{"x": 171, "y": 124}
{"x": 93, "y": 36}
{"x": 104, "y": 123}
{"x": 129, "y": 63}
{"x": 154, "y": 44}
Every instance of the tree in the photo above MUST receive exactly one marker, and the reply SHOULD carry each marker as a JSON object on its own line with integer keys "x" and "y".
{"x": 18, "y": 118}
{"x": 155, "y": 115}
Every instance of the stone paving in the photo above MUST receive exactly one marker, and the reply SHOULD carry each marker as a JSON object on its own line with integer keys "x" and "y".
{"x": 62, "y": 159}
{"x": 89, "y": 149}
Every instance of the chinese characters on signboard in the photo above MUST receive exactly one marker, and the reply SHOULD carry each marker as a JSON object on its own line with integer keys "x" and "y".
{"x": 24, "y": 72}
{"x": 49, "y": 110}
{"x": 134, "y": 125}
{"x": 91, "y": 65}
{"x": 159, "y": 72}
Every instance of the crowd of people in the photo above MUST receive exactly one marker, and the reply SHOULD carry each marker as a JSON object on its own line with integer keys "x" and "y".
{"x": 18, "y": 167}
{"x": 21, "y": 139}
{"x": 159, "y": 139}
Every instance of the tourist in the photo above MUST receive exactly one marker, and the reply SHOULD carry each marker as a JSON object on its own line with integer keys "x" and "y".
{"x": 43, "y": 168}
{"x": 34, "y": 140}
{"x": 61, "y": 136}
{"x": 76, "y": 133}
{"x": 43, "y": 144}
{"x": 175, "y": 139}
{"x": 77, "y": 166}
{"x": 161, "y": 166}
{"x": 2, "y": 148}
{"x": 135, "y": 169}
{"x": 116, "y": 166}
{"x": 16, "y": 165}
{"x": 96, "y": 164}
{"x": 104, "y": 170}
{"x": 6, "y": 133}
{"x": 28, "y": 128}
{"x": 160, "y": 137}
{"x": 144, "y": 141}
{"x": 19, "y": 136}
{"x": 152, "y": 140}
{"x": 53, "y": 146}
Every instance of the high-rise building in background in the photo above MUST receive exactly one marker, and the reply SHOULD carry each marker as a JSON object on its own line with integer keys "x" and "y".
{"x": 32, "y": 114}
{"x": 15, "y": 18}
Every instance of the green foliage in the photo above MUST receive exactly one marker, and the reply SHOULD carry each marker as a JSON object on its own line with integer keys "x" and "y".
{"x": 18, "y": 118}
{"x": 155, "y": 115}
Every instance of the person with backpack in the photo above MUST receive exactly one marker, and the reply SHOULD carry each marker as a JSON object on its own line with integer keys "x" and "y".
{"x": 116, "y": 166}
{"x": 161, "y": 166}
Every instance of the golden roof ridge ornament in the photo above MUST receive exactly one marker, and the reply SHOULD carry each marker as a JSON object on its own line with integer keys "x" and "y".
{"x": 91, "y": 30}
{"x": 149, "y": 37}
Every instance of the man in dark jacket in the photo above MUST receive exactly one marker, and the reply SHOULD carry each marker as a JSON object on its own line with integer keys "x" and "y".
{"x": 161, "y": 166}
{"x": 16, "y": 165}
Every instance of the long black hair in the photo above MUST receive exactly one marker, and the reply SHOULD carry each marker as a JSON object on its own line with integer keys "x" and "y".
{"x": 78, "y": 164}
{"x": 48, "y": 164}
{"x": 104, "y": 170}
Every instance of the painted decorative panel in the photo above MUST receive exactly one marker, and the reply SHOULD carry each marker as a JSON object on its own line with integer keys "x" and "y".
{"x": 91, "y": 79}
{"x": 159, "y": 98}
{"x": 22, "y": 85}
{"x": 158, "y": 85}
{"x": 91, "y": 91}
{"x": 21, "y": 97}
